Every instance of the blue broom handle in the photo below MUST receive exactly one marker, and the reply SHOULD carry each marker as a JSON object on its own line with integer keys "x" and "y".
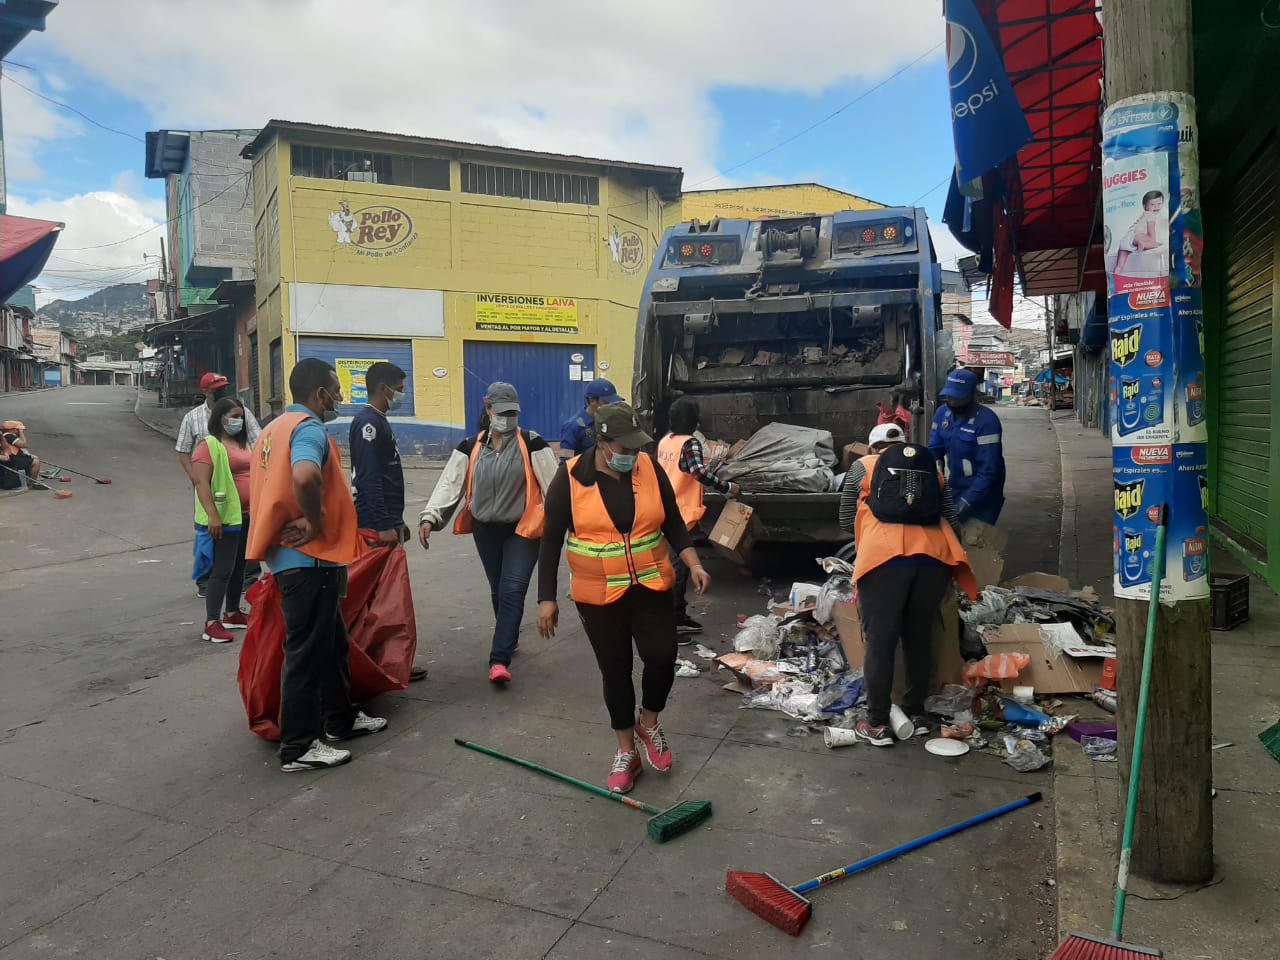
{"x": 916, "y": 844}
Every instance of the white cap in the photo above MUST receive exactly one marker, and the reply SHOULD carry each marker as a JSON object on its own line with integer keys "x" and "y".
{"x": 886, "y": 433}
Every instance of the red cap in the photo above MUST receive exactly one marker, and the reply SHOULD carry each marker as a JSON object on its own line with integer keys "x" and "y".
{"x": 212, "y": 381}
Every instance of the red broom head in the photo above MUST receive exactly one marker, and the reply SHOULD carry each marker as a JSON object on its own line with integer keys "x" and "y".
{"x": 1080, "y": 946}
{"x": 64, "y": 478}
{"x": 105, "y": 480}
{"x": 769, "y": 900}
{"x": 63, "y": 495}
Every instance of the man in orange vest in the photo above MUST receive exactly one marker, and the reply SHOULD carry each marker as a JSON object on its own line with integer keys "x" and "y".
{"x": 897, "y": 504}
{"x": 304, "y": 527}
{"x": 620, "y": 513}
{"x": 680, "y": 455}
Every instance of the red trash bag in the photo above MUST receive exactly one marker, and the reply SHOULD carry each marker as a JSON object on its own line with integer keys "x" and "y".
{"x": 378, "y": 611}
{"x": 901, "y": 416}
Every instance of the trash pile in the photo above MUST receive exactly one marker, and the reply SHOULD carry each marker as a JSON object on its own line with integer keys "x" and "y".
{"x": 1026, "y": 645}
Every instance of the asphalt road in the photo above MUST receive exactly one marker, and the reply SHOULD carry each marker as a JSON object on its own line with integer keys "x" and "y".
{"x": 142, "y": 819}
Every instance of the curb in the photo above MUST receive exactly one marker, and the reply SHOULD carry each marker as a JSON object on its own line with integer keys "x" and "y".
{"x": 160, "y": 428}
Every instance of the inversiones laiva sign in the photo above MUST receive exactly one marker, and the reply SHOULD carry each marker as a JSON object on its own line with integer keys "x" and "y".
{"x": 526, "y": 313}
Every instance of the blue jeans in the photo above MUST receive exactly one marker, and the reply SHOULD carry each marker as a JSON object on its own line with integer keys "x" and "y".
{"x": 508, "y": 561}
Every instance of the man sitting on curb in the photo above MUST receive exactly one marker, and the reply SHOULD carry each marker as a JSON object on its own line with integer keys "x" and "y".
{"x": 18, "y": 462}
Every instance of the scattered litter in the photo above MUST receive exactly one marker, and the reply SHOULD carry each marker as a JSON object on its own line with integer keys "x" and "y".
{"x": 687, "y": 668}
{"x": 942, "y": 747}
{"x": 949, "y": 701}
{"x": 704, "y": 652}
{"x": 899, "y": 925}
{"x": 998, "y": 666}
{"x": 759, "y": 635}
{"x": 187, "y": 623}
{"x": 1219, "y": 746}
{"x": 817, "y": 822}
{"x": 150, "y": 561}
{"x": 1098, "y": 747}
{"x": 1024, "y": 756}
{"x": 799, "y": 730}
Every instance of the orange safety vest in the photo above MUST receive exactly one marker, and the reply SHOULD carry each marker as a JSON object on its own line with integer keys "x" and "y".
{"x": 605, "y": 563}
{"x": 880, "y": 542}
{"x": 688, "y": 489}
{"x": 274, "y": 505}
{"x": 534, "y": 517}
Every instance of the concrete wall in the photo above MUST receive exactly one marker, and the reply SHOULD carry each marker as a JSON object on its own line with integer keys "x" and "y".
{"x": 218, "y": 217}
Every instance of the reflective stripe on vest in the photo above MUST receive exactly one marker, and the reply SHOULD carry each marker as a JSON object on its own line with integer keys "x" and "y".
{"x": 880, "y": 542}
{"x": 688, "y": 490}
{"x": 603, "y": 562}
{"x": 534, "y": 518}
{"x": 274, "y": 505}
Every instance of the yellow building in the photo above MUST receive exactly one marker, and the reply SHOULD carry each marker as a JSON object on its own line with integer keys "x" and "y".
{"x": 779, "y": 200}
{"x": 461, "y": 263}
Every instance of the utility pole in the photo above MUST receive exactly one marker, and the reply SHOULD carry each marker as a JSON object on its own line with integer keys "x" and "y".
{"x": 164, "y": 283}
{"x": 1148, "y": 50}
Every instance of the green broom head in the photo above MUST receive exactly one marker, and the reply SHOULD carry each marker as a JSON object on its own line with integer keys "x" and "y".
{"x": 1270, "y": 738}
{"x": 681, "y": 818}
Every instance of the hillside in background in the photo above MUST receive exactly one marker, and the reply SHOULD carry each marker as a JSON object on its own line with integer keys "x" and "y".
{"x": 107, "y": 311}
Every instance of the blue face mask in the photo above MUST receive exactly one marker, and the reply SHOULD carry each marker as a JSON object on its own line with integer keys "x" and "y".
{"x": 397, "y": 400}
{"x": 234, "y": 425}
{"x": 329, "y": 414}
{"x": 622, "y": 462}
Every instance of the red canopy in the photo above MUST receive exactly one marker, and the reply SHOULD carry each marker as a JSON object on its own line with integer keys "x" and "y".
{"x": 25, "y": 246}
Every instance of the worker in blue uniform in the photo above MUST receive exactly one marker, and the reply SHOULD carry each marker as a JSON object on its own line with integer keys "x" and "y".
{"x": 576, "y": 436}
{"x": 967, "y": 436}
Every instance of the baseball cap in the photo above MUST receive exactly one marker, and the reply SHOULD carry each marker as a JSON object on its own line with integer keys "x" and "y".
{"x": 960, "y": 385}
{"x": 502, "y": 397}
{"x": 886, "y": 433}
{"x": 604, "y": 391}
{"x": 617, "y": 423}
{"x": 212, "y": 381}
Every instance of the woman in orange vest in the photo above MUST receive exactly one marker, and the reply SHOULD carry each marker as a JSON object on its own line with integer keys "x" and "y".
{"x": 680, "y": 454}
{"x": 500, "y": 477}
{"x": 908, "y": 554}
{"x": 620, "y": 514}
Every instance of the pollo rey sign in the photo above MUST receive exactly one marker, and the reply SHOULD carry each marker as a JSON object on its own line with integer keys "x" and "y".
{"x": 376, "y": 231}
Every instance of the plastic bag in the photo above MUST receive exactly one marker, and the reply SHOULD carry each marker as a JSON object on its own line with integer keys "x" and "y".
{"x": 842, "y": 693}
{"x": 686, "y": 668}
{"x": 992, "y": 606}
{"x": 1098, "y": 747}
{"x": 759, "y": 635}
{"x": 837, "y": 589}
{"x": 1024, "y": 756}
{"x": 378, "y": 611}
{"x": 949, "y": 701}
{"x": 998, "y": 666}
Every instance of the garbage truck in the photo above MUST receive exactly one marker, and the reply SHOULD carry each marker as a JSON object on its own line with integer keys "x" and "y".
{"x": 826, "y": 322}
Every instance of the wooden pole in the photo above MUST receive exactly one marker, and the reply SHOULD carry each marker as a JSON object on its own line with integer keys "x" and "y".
{"x": 1148, "y": 49}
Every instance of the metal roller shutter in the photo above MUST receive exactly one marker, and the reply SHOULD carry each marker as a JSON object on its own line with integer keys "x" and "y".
{"x": 1245, "y": 351}
{"x": 548, "y": 377}
{"x": 333, "y": 349}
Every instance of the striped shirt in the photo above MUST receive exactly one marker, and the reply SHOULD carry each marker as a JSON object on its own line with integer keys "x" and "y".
{"x": 851, "y": 500}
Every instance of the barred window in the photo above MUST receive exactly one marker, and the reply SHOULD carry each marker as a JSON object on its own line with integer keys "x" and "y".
{"x": 522, "y": 184}
{"x": 328, "y": 163}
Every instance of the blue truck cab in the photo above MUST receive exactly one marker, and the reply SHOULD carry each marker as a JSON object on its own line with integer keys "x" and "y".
{"x": 803, "y": 320}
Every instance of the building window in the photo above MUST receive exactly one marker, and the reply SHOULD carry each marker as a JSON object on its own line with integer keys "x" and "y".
{"x": 524, "y": 184}
{"x": 364, "y": 166}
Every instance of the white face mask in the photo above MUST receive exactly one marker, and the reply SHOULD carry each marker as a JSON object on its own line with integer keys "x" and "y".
{"x": 504, "y": 424}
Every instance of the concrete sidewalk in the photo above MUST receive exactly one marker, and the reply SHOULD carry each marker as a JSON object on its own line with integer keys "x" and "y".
{"x": 163, "y": 420}
{"x": 1232, "y": 917}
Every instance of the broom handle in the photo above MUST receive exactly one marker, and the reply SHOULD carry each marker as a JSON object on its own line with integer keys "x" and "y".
{"x": 869, "y": 862}
{"x": 556, "y": 775}
{"x": 49, "y": 463}
{"x": 1140, "y": 726}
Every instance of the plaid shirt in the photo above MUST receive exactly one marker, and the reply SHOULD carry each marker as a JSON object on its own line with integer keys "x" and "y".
{"x": 691, "y": 462}
{"x": 195, "y": 427}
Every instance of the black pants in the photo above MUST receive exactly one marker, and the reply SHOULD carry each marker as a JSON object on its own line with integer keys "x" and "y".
{"x": 315, "y": 681}
{"x": 899, "y": 602}
{"x": 680, "y": 593}
{"x": 646, "y": 617}
{"x": 226, "y": 579}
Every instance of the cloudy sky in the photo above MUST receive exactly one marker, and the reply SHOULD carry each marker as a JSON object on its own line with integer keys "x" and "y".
{"x": 849, "y": 93}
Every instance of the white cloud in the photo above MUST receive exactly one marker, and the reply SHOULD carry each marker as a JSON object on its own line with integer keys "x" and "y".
{"x": 30, "y": 122}
{"x": 92, "y": 220}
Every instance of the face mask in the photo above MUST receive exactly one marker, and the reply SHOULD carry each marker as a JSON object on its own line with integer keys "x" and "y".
{"x": 234, "y": 425}
{"x": 329, "y": 414}
{"x": 622, "y": 462}
{"x": 503, "y": 424}
{"x": 397, "y": 400}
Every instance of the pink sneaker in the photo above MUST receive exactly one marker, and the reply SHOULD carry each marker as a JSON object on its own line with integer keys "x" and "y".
{"x": 235, "y": 620}
{"x": 499, "y": 674}
{"x": 626, "y": 767}
{"x": 653, "y": 743}
{"x": 215, "y": 632}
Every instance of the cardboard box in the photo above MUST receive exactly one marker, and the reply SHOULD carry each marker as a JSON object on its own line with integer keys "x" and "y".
{"x": 1048, "y": 673}
{"x": 985, "y": 545}
{"x": 948, "y": 664}
{"x": 736, "y": 532}
{"x": 803, "y": 595}
{"x": 852, "y": 452}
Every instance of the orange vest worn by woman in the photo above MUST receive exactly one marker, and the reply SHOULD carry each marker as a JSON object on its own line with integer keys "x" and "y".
{"x": 534, "y": 518}
{"x": 604, "y": 563}
{"x": 271, "y": 493}
{"x": 689, "y": 492}
{"x": 879, "y": 542}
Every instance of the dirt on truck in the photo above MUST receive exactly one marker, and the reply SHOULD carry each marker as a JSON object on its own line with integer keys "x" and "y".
{"x": 818, "y": 322}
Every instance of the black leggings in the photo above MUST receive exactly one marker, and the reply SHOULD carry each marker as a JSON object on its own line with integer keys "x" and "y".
{"x": 647, "y": 617}
{"x": 226, "y": 580}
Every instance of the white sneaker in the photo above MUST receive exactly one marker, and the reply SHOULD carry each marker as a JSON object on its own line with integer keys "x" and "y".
{"x": 362, "y": 725}
{"x": 318, "y": 757}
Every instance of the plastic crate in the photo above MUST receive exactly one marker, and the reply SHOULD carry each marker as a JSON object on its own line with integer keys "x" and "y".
{"x": 1228, "y": 601}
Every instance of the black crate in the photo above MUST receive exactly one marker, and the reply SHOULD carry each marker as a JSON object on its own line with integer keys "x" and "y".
{"x": 1228, "y": 601}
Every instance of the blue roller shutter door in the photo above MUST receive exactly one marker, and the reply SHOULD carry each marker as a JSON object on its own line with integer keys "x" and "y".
{"x": 540, "y": 373}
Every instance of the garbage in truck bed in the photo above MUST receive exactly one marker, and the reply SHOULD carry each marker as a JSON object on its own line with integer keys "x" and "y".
{"x": 784, "y": 458}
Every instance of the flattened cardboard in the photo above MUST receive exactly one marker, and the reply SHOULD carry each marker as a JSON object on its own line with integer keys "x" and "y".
{"x": 736, "y": 532}
{"x": 1041, "y": 581}
{"x": 1047, "y": 673}
{"x": 948, "y": 664}
{"x": 985, "y": 545}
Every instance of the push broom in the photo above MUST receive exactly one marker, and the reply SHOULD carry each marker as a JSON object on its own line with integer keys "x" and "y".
{"x": 1080, "y": 946}
{"x": 664, "y": 825}
{"x": 789, "y": 910}
{"x": 87, "y": 476}
{"x": 37, "y": 485}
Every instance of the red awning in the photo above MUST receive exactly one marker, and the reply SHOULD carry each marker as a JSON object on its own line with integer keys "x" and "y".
{"x": 1052, "y": 50}
{"x": 25, "y": 246}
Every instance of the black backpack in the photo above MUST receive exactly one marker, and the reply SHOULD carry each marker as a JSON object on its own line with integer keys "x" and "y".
{"x": 905, "y": 487}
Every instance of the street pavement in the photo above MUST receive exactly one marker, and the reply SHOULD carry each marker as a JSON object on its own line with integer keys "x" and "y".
{"x": 143, "y": 819}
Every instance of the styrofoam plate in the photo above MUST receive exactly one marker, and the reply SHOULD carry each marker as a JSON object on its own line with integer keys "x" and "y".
{"x": 946, "y": 747}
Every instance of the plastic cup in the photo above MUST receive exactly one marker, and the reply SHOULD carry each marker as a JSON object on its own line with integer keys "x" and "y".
{"x": 900, "y": 723}
{"x": 838, "y": 737}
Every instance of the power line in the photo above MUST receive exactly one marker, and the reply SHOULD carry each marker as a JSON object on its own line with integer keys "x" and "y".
{"x": 67, "y": 106}
{"x": 115, "y": 243}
